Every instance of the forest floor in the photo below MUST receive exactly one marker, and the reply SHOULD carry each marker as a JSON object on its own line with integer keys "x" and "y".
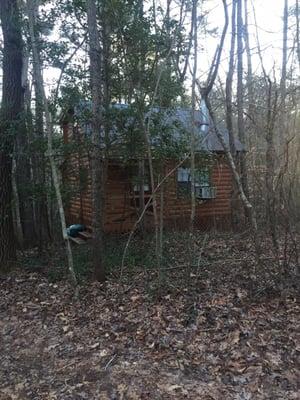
{"x": 224, "y": 332}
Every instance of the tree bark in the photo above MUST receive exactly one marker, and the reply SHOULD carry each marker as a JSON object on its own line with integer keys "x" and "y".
{"x": 193, "y": 130}
{"x": 205, "y": 92}
{"x": 229, "y": 79}
{"x": 284, "y": 54}
{"x": 49, "y": 132}
{"x": 297, "y": 10}
{"x": 240, "y": 97}
{"x": 282, "y": 115}
{"x": 250, "y": 87}
{"x": 97, "y": 156}
{"x": 11, "y": 109}
{"x": 270, "y": 166}
{"x": 23, "y": 184}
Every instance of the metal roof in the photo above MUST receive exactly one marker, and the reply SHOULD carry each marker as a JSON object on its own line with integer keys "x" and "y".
{"x": 178, "y": 120}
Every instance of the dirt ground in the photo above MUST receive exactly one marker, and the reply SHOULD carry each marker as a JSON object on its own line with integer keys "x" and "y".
{"x": 217, "y": 337}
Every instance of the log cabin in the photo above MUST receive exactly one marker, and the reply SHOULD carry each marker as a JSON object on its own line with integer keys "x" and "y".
{"x": 128, "y": 188}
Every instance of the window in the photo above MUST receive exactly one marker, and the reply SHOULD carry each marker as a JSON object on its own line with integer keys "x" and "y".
{"x": 203, "y": 187}
{"x": 183, "y": 181}
{"x": 136, "y": 180}
{"x": 136, "y": 187}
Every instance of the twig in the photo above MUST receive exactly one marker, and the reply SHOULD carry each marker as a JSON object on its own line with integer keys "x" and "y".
{"x": 145, "y": 209}
{"x": 200, "y": 255}
{"x": 109, "y": 362}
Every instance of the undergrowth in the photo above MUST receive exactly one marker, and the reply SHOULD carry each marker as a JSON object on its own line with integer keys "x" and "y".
{"x": 206, "y": 261}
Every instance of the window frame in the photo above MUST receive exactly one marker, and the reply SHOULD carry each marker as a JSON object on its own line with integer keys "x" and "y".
{"x": 183, "y": 179}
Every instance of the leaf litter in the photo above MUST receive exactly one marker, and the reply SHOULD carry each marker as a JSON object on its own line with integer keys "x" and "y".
{"x": 217, "y": 337}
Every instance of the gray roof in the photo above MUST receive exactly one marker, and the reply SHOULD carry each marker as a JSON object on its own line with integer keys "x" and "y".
{"x": 176, "y": 120}
{"x": 205, "y": 133}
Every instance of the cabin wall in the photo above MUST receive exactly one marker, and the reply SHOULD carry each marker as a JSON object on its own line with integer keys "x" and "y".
{"x": 209, "y": 213}
{"x": 120, "y": 209}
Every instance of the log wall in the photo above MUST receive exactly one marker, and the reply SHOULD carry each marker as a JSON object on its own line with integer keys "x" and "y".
{"x": 120, "y": 210}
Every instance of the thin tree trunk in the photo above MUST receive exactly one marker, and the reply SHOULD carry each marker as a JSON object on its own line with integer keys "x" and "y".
{"x": 11, "y": 109}
{"x": 24, "y": 186}
{"x": 229, "y": 110}
{"x": 282, "y": 116}
{"x": 97, "y": 157}
{"x": 250, "y": 87}
{"x": 37, "y": 137}
{"x": 49, "y": 131}
{"x": 161, "y": 234}
{"x": 297, "y": 31}
{"x": 247, "y": 205}
{"x": 16, "y": 207}
{"x": 193, "y": 129}
{"x": 141, "y": 167}
{"x": 284, "y": 54}
{"x": 229, "y": 79}
{"x": 240, "y": 96}
{"x": 270, "y": 166}
{"x": 205, "y": 92}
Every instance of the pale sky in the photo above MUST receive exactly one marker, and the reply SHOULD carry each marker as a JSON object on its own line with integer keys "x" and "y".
{"x": 269, "y": 20}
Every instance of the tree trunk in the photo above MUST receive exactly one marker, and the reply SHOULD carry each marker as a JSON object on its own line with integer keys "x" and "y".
{"x": 141, "y": 168}
{"x": 284, "y": 53}
{"x": 40, "y": 159}
{"x": 193, "y": 130}
{"x": 49, "y": 132}
{"x": 229, "y": 79}
{"x": 270, "y": 166}
{"x": 297, "y": 31}
{"x": 282, "y": 116}
{"x": 24, "y": 187}
{"x": 205, "y": 92}
{"x": 235, "y": 215}
{"x": 11, "y": 109}
{"x": 97, "y": 156}
{"x": 240, "y": 97}
{"x": 250, "y": 87}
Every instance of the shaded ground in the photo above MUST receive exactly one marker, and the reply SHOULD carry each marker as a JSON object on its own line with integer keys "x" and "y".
{"x": 219, "y": 336}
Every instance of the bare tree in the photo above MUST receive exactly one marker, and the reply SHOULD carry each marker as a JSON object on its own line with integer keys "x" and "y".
{"x": 205, "y": 92}
{"x": 297, "y": 10}
{"x": 49, "y": 132}
{"x": 240, "y": 95}
{"x": 250, "y": 88}
{"x": 97, "y": 156}
{"x": 270, "y": 162}
{"x": 229, "y": 80}
{"x": 194, "y": 99}
{"x": 284, "y": 53}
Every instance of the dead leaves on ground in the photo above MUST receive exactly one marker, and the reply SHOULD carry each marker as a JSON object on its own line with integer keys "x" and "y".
{"x": 114, "y": 343}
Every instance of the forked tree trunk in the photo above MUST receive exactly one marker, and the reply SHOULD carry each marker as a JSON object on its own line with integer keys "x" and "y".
{"x": 49, "y": 132}
{"x": 97, "y": 156}
{"x": 10, "y": 114}
{"x": 236, "y": 176}
{"x": 237, "y": 179}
